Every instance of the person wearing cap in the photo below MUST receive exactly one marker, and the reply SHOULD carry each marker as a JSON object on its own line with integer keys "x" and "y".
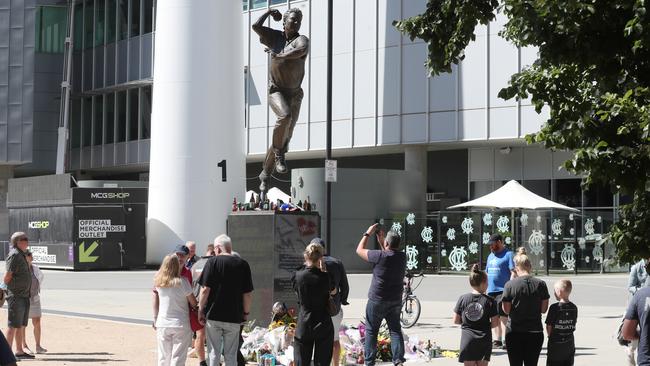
{"x": 225, "y": 301}
{"x": 385, "y": 292}
{"x": 192, "y": 257}
{"x": 18, "y": 280}
{"x": 500, "y": 268}
{"x": 339, "y": 280}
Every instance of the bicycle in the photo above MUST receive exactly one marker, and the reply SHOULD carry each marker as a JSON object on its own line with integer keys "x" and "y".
{"x": 411, "y": 307}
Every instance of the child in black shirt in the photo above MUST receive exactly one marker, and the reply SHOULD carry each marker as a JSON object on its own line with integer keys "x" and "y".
{"x": 560, "y": 325}
{"x": 477, "y": 313}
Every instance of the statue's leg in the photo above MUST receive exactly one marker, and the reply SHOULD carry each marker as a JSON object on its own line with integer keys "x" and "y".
{"x": 280, "y": 105}
{"x": 296, "y": 101}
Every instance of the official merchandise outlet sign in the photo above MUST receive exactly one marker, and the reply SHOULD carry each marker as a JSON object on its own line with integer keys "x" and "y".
{"x": 96, "y": 229}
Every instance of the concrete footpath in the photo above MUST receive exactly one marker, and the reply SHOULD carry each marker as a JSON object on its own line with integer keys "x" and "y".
{"x": 104, "y": 318}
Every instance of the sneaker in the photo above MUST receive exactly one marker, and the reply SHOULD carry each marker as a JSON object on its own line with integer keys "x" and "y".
{"x": 280, "y": 164}
{"x": 40, "y": 349}
{"x": 24, "y": 356}
{"x": 497, "y": 344}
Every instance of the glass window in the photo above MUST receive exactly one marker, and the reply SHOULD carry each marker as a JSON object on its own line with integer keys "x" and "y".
{"x": 135, "y": 18}
{"x": 87, "y": 122}
{"x": 598, "y": 196}
{"x": 111, "y": 21}
{"x": 123, "y": 19}
{"x": 148, "y": 16}
{"x": 109, "y": 123}
{"x": 75, "y": 123}
{"x": 146, "y": 112}
{"x": 100, "y": 22}
{"x": 88, "y": 24}
{"x": 540, "y": 187}
{"x": 276, "y": 2}
{"x": 98, "y": 123}
{"x": 134, "y": 114}
{"x": 245, "y": 5}
{"x": 121, "y": 117}
{"x": 478, "y": 189}
{"x": 568, "y": 192}
{"x": 78, "y": 27}
{"x": 256, "y": 4}
{"x": 50, "y": 29}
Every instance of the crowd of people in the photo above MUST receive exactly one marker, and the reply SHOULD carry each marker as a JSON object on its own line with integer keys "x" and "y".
{"x": 503, "y": 310}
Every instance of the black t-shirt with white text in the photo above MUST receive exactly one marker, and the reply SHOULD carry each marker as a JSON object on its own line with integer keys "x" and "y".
{"x": 228, "y": 278}
{"x": 562, "y": 317}
{"x": 526, "y": 294}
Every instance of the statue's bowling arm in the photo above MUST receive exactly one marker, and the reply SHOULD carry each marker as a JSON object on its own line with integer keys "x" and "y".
{"x": 259, "y": 27}
{"x": 300, "y": 48}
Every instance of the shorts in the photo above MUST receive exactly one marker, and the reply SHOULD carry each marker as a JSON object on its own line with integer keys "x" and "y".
{"x": 35, "y": 308}
{"x": 17, "y": 311}
{"x": 336, "y": 322}
{"x": 498, "y": 296}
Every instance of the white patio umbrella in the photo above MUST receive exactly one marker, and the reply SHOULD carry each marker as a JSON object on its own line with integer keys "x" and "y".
{"x": 513, "y": 196}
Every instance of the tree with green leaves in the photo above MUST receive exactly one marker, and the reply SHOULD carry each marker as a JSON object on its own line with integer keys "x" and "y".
{"x": 592, "y": 73}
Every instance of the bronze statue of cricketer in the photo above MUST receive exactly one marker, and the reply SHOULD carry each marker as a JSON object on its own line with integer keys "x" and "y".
{"x": 288, "y": 51}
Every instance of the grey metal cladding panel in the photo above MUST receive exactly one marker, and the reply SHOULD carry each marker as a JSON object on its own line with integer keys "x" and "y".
{"x": 46, "y": 102}
{"x": 132, "y": 152}
{"x": 143, "y": 151}
{"x": 110, "y": 64}
{"x": 85, "y": 158}
{"x": 120, "y": 153}
{"x": 147, "y": 49}
{"x": 108, "y": 156}
{"x": 28, "y": 65}
{"x": 16, "y": 47}
{"x": 13, "y": 152}
{"x": 17, "y": 13}
{"x": 96, "y": 157}
{"x": 14, "y": 122}
{"x": 99, "y": 68}
{"x": 27, "y": 150}
{"x": 41, "y": 190}
{"x": 134, "y": 59}
{"x": 3, "y": 142}
{"x": 122, "y": 61}
{"x": 4, "y": 28}
{"x": 15, "y": 84}
{"x": 30, "y": 27}
{"x": 4, "y": 65}
{"x": 28, "y": 103}
{"x": 5, "y": 4}
{"x": 4, "y": 95}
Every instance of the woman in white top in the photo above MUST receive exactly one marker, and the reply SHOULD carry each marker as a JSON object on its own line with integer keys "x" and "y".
{"x": 171, "y": 313}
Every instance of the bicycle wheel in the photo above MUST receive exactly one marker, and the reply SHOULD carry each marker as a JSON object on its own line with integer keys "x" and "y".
{"x": 410, "y": 311}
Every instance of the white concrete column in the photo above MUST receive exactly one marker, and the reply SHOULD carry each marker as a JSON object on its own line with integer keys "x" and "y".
{"x": 196, "y": 122}
{"x": 415, "y": 161}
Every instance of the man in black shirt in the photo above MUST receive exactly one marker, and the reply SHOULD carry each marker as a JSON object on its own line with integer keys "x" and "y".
{"x": 560, "y": 325}
{"x": 225, "y": 301}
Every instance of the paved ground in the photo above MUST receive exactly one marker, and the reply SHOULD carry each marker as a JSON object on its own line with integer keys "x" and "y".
{"x": 97, "y": 318}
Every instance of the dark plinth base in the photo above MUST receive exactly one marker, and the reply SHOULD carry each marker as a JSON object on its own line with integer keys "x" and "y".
{"x": 273, "y": 244}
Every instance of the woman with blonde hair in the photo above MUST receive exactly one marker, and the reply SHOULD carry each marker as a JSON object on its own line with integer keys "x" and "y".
{"x": 525, "y": 299}
{"x": 314, "y": 331}
{"x": 171, "y": 313}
